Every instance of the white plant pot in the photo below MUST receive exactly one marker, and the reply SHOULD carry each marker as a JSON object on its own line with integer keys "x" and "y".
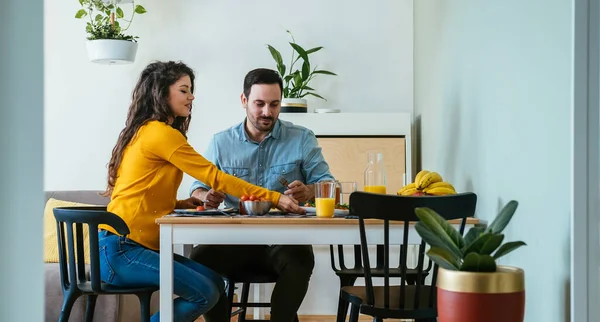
{"x": 111, "y": 51}
{"x": 294, "y": 105}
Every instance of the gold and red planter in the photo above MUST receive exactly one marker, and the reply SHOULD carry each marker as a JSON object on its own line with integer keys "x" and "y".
{"x": 477, "y": 297}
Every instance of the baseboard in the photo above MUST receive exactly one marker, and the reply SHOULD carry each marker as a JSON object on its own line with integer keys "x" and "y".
{"x": 312, "y": 318}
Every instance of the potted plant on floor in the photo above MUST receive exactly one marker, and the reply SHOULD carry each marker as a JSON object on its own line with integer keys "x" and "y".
{"x": 107, "y": 43}
{"x": 296, "y": 81}
{"x": 471, "y": 287}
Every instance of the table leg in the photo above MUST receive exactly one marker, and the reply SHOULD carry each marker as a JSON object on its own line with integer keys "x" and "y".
{"x": 166, "y": 273}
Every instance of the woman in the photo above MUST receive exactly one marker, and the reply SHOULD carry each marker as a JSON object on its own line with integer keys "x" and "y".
{"x": 144, "y": 173}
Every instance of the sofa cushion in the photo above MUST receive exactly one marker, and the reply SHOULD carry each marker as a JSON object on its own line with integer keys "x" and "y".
{"x": 51, "y": 235}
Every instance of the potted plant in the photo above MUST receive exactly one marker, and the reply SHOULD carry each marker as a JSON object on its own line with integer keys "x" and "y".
{"x": 471, "y": 287}
{"x": 107, "y": 43}
{"x": 295, "y": 81}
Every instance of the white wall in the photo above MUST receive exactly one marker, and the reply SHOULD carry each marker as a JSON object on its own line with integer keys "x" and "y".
{"x": 368, "y": 44}
{"x": 21, "y": 146}
{"x": 493, "y": 93}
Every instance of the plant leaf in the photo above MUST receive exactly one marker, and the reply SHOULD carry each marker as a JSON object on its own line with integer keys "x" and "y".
{"x": 288, "y": 77}
{"x": 276, "y": 55}
{"x": 440, "y": 226}
{"x": 503, "y": 217}
{"x": 300, "y": 51}
{"x": 324, "y": 72}
{"x": 477, "y": 244}
{"x": 316, "y": 95}
{"x": 120, "y": 12}
{"x": 140, "y": 9}
{"x": 305, "y": 70}
{"x": 473, "y": 234}
{"x": 434, "y": 240}
{"x": 478, "y": 263}
{"x": 297, "y": 80}
{"x": 81, "y": 2}
{"x": 312, "y": 50}
{"x": 491, "y": 244}
{"x": 98, "y": 17}
{"x": 81, "y": 13}
{"x": 507, "y": 248}
{"x": 443, "y": 258}
{"x": 307, "y": 88}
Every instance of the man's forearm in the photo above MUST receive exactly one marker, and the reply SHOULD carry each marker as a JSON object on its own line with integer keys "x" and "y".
{"x": 200, "y": 193}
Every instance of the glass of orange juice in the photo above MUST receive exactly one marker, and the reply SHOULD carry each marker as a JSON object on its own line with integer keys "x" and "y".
{"x": 325, "y": 198}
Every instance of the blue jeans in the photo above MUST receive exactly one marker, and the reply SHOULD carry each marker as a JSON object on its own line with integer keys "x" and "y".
{"x": 126, "y": 263}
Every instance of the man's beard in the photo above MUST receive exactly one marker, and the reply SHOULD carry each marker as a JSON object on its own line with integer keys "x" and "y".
{"x": 264, "y": 128}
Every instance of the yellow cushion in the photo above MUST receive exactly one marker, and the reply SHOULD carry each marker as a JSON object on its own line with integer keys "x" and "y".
{"x": 50, "y": 235}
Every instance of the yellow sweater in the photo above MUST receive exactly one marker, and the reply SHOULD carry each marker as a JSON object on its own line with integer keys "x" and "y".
{"x": 150, "y": 174}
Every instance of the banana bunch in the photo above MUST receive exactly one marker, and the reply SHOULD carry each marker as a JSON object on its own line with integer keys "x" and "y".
{"x": 427, "y": 183}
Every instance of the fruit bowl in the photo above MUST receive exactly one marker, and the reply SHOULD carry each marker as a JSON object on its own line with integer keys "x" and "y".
{"x": 257, "y": 208}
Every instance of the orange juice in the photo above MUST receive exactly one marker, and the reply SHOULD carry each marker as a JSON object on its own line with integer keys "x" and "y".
{"x": 324, "y": 207}
{"x": 375, "y": 189}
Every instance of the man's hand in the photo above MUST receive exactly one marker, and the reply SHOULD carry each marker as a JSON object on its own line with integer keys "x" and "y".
{"x": 189, "y": 203}
{"x": 211, "y": 198}
{"x": 290, "y": 205}
{"x": 299, "y": 191}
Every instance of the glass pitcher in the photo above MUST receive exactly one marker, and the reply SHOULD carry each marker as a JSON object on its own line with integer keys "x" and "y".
{"x": 375, "y": 173}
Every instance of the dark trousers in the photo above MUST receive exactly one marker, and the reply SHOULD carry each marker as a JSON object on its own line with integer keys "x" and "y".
{"x": 293, "y": 265}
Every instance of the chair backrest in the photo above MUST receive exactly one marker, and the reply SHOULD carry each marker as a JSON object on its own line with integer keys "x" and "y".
{"x": 73, "y": 218}
{"x": 402, "y": 208}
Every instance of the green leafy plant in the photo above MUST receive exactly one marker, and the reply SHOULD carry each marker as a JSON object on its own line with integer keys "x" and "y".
{"x": 473, "y": 253}
{"x": 104, "y": 19}
{"x": 296, "y": 80}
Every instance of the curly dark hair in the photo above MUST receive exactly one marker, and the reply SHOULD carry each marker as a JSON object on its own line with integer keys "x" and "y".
{"x": 149, "y": 103}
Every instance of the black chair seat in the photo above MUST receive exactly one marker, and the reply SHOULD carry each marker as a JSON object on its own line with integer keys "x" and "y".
{"x": 358, "y": 295}
{"x": 110, "y": 289}
{"x": 378, "y": 272}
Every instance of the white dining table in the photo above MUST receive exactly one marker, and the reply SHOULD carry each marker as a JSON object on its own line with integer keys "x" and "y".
{"x": 265, "y": 230}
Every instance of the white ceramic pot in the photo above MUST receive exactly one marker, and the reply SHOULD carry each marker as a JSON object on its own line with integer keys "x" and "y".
{"x": 294, "y": 105}
{"x": 111, "y": 51}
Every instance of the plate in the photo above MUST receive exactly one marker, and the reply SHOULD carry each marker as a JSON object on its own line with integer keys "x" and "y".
{"x": 207, "y": 212}
{"x": 336, "y": 212}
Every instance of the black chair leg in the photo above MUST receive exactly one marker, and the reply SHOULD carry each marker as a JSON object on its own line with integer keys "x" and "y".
{"x": 354, "y": 310}
{"x": 244, "y": 302}
{"x": 343, "y": 305}
{"x": 145, "y": 305}
{"x": 90, "y": 307}
{"x": 68, "y": 302}
{"x": 230, "y": 292}
{"x": 376, "y": 319}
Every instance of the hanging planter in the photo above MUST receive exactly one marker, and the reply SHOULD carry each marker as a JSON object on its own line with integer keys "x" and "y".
{"x": 107, "y": 43}
{"x": 111, "y": 51}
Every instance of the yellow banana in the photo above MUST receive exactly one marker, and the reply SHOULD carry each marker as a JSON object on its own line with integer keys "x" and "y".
{"x": 420, "y": 175}
{"x": 440, "y": 191}
{"x": 408, "y": 192}
{"x": 408, "y": 186}
{"x": 439, "y": 184}
{"x": 429, "y": 178}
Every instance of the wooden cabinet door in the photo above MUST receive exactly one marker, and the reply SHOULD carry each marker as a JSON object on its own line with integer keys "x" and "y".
{"x": 347, "y": 158}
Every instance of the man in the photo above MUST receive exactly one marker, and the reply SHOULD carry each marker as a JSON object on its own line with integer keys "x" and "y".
{"x": 260, "y": 150}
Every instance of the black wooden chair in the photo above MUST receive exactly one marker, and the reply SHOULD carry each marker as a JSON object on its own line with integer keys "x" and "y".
{"x": 349, "y": 275}
{"x": 246, "y": 279}
{"x": 402, "y": 301}
{"x": 73, "y": 275}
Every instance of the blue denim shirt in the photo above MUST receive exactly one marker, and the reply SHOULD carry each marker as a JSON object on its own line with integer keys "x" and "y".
{"x": 289, "y": 150}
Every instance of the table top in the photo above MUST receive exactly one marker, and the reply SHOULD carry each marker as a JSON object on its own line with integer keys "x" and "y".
{"x": 256, "y": 220}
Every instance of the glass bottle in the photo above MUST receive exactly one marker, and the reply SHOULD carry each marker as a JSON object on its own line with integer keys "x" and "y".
{"x": 375, "y": 173}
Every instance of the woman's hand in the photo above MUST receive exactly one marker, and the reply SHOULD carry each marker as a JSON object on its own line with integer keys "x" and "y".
{"x": 290, "y": 205}
{"x": 189, "y": 203}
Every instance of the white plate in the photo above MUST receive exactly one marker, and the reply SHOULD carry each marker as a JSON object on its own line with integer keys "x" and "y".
{"x": 336, "y": 212}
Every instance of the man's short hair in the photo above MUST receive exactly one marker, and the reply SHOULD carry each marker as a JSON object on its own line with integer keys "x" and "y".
{"x": 261, "y": 76}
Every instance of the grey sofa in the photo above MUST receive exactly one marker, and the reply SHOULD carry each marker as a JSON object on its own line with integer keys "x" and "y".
{"x": 109, "y": 308}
